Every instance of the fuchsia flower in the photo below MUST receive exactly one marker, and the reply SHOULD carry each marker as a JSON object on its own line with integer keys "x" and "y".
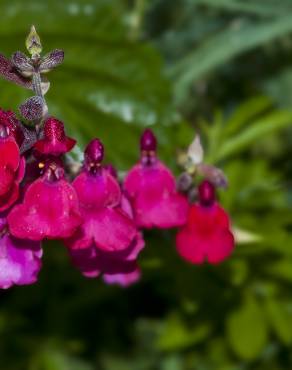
{"x": 20, "y": 260}
{"x": 108, "y": 241}
{"x": 104, "y": 222}
{"x": 50, "y": 208}
{"x": 12, "y": 165}
{"x": 123, "y": 279}
{"x": 55, "y": 141}
{"x": 118, "y": 267}
{"x": 206, "y": 235}
{"x": 152, "y": 190}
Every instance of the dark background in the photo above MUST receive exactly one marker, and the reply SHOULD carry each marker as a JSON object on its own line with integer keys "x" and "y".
{"x": 218, "y": 67}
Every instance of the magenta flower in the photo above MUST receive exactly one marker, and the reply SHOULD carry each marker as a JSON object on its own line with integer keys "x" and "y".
{"x": 123, "y": 279}
{"x": 50, "y": 208}
{"x": 55, "y": 141}
{"x": 152, "y": 190}
{"x": 108, "y": 242}
{"x": 12, "y": 165}
{"x": 104, "y": 222}
{"x": 207, "y": 234}
{"x": 93, "y": 262}
{"x": 20, "y": 261}
{"x": 117, "y": 267}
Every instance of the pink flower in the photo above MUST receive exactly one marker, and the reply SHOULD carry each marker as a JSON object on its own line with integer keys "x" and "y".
{"x": 104, "y": 222}
{"x": 12, "y": 165}
{"x": 125, "y": 279}
{"x": 108, "y": 242}
{"x": 55, "y": 141}
{"x": 20, "y": 260}
{"x": 50, "y": 208}
{"x": 206, "y": 235}
{"x": 152, "y": 190}
{"x": 116, "y": 267}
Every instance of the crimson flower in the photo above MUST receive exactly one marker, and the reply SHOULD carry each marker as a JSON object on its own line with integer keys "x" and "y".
{"x": 206, "y": 235}
{"x": 12, "y": 165}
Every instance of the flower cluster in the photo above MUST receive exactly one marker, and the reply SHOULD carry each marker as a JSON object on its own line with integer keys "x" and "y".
{"x": 99, "y": 219}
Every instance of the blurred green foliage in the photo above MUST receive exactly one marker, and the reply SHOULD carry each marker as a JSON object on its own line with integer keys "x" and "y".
{"x": 220, "y": 67}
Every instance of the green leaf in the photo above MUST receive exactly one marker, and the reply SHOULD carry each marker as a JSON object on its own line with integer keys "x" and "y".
{"x": 53, "y": 359}
{"x": 268, "y": 124}
{"x": 108, "y": 86}
{"x": 270, "y": 8}
{"x": 247, "y": 329}
{"x": 176, "y": 335}
{"x": 280, "y": 317}
{"x": 281, "y": 269}
{"x": 245, "y": 112}
{"x": 238, "y": 38}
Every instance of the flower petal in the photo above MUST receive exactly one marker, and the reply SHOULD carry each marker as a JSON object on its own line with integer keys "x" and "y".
{"x": 20, "y": 261}
{"x": 49, "y": 209}
{"x": 123, "y": 279}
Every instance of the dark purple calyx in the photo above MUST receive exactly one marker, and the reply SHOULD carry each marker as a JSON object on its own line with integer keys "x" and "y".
{"x": 55, "y": 141}
{"x": 148, "y": 145}
{"x": 93, "y": 156}
{"x": 207, "y": 194}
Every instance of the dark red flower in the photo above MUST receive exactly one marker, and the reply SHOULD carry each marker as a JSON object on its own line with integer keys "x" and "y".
{"x": 50, "y": 208}
{"x": 55, "y": 141}
{"x": 207, "y": 234}
{"x": 152, "y": 190}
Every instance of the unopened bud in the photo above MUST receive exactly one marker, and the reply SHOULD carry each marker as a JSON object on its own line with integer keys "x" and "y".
{"x": 33, "y": 42}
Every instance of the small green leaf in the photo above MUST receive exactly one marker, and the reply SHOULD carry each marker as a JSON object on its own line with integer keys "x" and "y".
{"x": 176, "y": 335}
{"x": 247, "y": 329}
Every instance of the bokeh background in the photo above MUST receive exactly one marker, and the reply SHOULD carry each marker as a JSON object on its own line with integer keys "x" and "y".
{"x": 219, "y": 67}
